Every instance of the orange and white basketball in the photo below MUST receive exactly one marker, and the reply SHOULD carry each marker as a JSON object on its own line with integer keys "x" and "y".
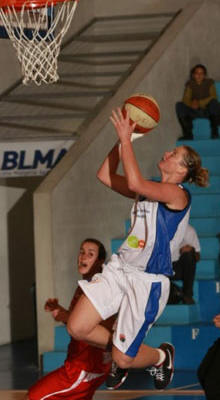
{"x": 143, "y": 110}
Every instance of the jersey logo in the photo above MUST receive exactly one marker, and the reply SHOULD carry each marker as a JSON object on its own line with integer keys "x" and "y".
{"x": 122, "y": 337}
{"x": 135, "y": 243}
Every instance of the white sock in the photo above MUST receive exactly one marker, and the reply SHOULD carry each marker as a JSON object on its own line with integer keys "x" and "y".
{"x": 162, "y": 356}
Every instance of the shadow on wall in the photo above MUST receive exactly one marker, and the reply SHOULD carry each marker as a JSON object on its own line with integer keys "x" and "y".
{"x": 21, "y": 260}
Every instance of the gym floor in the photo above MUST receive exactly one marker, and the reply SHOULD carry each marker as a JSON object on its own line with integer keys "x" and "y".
{"x": 19, "y": 370}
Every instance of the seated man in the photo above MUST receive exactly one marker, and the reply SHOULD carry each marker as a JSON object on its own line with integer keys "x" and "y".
{"x": 184, "y": 259}
{"x": 199, "y": 101}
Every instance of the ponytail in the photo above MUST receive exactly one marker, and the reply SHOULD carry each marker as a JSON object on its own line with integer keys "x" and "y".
{"x": 196, "y": 173}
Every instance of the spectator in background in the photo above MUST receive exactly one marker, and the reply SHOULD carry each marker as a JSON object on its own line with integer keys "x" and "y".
{"x": 208, "y": 371}
{"x": 184, "y": 259}
{"x": 199, "y": 101}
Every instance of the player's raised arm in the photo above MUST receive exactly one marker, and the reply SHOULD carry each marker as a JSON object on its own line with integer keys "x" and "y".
{"x": 173, "y": 168}
{"x": 108, "y": 175}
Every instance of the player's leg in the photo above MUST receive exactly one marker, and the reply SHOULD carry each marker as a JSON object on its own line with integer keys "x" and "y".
{"x": 185, "y": 116}
{"x": 88, "y": 386}
{"x": 53, "y": 384}
{"x": 135, "y": 318}
{"x": 101, "y": 299}
{"x": 84, "y": 324}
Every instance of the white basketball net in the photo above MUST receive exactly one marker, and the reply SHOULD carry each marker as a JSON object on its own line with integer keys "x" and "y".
{"x": 38, "y": 54}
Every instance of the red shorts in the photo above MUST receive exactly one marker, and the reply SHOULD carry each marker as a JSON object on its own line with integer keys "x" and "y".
{"x": 81, "y": 385}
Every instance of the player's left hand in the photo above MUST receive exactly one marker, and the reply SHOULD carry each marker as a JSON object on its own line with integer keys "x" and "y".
{"x": 51, "y": 304}
{"x": 122, "y": 125}
{"x": 60, "y": 314}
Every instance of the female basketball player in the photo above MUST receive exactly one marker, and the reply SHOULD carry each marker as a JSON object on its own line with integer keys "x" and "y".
{"x": 86, "y": 367}
{"x": 135, "y": 282}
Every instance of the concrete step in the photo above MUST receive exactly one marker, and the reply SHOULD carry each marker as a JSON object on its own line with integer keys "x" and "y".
{"x": 207, "y": 269}
{"x": 212, "y": 163}
{"x": 209, "y": 299}
{"x": 61, "y": 339}
{"x": 191, "y": 342}
{"x": 213, "y": 187}
{"x": 209, "y": 248}
{"x": 217, "y": 86}
{"x": 204, "y": 309}
{"x": 206, "y": 148}
{"x": 205, "y": 205}
{"x": 52, "y": 360}
{"x": 202, "y": 129}
{"x": 206, "y": 226}
{"x": 179, "y": 314}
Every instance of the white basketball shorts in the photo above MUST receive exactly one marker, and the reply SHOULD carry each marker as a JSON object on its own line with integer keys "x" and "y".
{"x": 138, "y": 297}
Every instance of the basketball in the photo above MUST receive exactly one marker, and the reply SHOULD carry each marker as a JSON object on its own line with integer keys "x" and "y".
{"x": 143, "y": 110}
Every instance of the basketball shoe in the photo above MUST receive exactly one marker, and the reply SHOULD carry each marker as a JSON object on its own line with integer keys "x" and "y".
{"x": 116, "y": 377}
{"x": 163, "y": 374}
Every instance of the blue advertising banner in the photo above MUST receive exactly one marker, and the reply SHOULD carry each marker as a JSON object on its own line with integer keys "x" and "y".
{"x": 32, "y": 158}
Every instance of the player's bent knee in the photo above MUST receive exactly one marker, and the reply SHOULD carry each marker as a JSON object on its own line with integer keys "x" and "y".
{"x": 76, "y": 331}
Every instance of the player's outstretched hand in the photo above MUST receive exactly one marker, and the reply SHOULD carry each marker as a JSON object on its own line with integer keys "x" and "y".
{"x": 51, "y": 304}
{"x": 58, "y": 312}
{"x": 61, "y": 314}
{"x": 122, "y": 124}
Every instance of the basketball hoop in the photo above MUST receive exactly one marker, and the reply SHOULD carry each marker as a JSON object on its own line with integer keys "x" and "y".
{"x": 36, "y": 30}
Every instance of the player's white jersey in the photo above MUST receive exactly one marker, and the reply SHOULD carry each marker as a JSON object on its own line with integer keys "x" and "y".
{"x": 156, "y": 230}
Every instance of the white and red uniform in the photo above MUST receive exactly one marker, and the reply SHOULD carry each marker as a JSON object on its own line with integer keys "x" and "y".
{"x": 135, "y": 282}
{"x": 85, "y": 369}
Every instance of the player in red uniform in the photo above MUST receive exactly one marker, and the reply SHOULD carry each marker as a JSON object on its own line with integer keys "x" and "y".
{"x": 86, "y": 367}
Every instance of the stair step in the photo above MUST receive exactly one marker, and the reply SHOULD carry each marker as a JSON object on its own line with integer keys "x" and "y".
{"x": 115, "y": 244}
{"x": 208, "y": 147}
{"x": 206, "y": 226}
{"x": 217, "y": 86}
{"x": 52, "y": 360}
{"x": 214, "y": 186}
{"x": 61, "y": 339}
{"x": 212, "y": 163}
{"x": 202, "y": 129}
{"x": 180, "y": 314}
{"x": 209, "y": 248}
{"x": 207, "y": 269}
{"x": 205, "y": 205}
{"x": 209, "y": 297}
{"x": 195, "y": 291}
{"x": 193, "y": 340}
